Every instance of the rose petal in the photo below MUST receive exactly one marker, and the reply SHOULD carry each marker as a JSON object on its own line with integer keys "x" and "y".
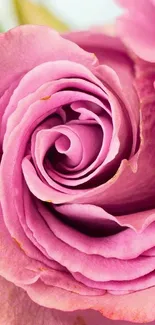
{"x": 17, "y": 308}
{"x": 126, "y": 93}
{"x": 28, "y": 42}
{"x": 94, "y": 267}
{"x": 112, "y": 53}
{"x": 136, "y": 27}
{"x": 25, "y": 270}
{"x": 134, "y": 307}
{"x": 119, "y": 287}
{"x": 49, "y": 71}
{"x": 4, "y": 100}
{"x": 125, "y": 245}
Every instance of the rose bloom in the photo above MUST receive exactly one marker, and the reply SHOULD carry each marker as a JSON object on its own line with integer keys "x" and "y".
{"x": 77, "y": 175}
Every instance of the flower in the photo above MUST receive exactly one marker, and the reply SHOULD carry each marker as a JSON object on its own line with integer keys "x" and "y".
{"x": 77, "y": 196}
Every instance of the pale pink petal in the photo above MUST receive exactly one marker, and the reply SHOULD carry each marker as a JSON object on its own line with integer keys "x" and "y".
{"x": 17, "y": 308}
{"x": 136, "y": 27}
{"x": 136, "y": 307}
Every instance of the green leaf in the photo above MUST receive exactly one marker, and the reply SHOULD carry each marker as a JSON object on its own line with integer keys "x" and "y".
{"x": 32, "y": 13}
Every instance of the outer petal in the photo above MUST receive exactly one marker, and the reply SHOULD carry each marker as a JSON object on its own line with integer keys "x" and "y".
{"x": 25, "y": 270}
{"x": 17, "y": 308}
{"x": 34, "y": 45}
{"x": 136, "y": 27}
{"x": 109, "y": 50}
{"x": 136, "y": 307}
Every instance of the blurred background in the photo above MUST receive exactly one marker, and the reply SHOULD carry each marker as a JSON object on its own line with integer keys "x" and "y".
{"x": 62, "y": 15}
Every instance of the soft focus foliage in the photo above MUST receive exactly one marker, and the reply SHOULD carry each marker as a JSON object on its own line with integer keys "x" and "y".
{"x": 58, "y": 14}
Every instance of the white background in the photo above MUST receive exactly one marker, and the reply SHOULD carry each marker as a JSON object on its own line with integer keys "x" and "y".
{"x": 78, "y": 14}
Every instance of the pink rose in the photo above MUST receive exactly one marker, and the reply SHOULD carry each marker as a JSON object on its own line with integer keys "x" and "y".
{"x": 77, "y": 173}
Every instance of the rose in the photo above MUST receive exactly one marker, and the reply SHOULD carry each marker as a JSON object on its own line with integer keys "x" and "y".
{"x": 35, "y": 84}
{"x": 77, "y": 227}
